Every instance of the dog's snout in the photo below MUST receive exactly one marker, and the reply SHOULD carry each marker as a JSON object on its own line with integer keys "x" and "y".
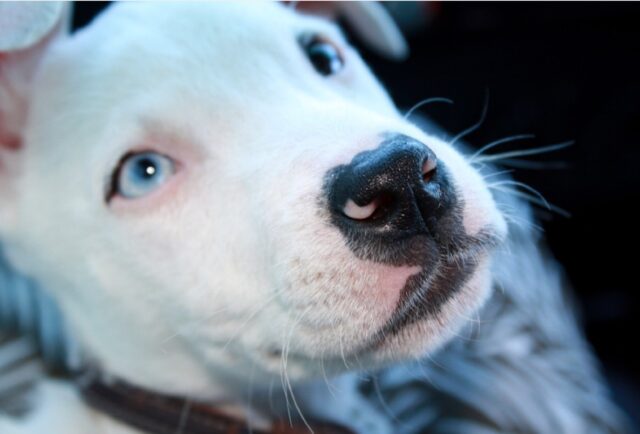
{"x": 400, "y": 187}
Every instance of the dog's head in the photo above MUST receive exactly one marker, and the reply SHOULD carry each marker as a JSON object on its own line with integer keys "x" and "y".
{"x": 227, "y": 186}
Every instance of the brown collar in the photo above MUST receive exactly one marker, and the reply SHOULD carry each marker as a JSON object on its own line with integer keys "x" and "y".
{"x": 155, "y": 413}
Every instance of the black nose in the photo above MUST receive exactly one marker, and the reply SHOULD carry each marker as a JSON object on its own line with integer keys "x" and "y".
{"x": 399, "y": 189}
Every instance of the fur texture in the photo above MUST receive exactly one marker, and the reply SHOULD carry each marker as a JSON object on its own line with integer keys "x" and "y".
{"x": 228, "y": 283}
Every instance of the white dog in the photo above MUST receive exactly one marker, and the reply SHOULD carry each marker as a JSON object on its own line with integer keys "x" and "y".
{"x": 231, "y": 214}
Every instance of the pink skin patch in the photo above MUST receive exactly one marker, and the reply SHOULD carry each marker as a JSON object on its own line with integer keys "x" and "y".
{"x": 392, "y": 280}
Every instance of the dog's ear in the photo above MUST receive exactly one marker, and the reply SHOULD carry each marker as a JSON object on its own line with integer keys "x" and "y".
{"x": 27, "y": 30}
{"x": 370, "y": 21}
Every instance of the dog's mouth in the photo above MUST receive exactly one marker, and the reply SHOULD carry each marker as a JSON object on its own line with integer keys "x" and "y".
{"x": 421, "y": 298}
{"x": 425, "y": 293}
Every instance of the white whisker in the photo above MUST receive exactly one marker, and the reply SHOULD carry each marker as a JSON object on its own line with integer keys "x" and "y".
{"x": 494, "y": 174}
{"x": 330, "y": 387}
{"x": 534, "y": 165}
{"x": 521, "y": 185}
{"x": 184, "y": 416}
{"x": 286, "y": 376}
{"x": 344, "y": 359}
{"x": 250, "y": 399}
{"x": 270, "y": 395}
{"x": 535, "y": 200}
{"x": 514, "y": 217}
{"x": 499, "y": 142}
{"x": 425, "y": 102}
{"x": 383, "y": 403}
{"x": 194, "y": 324}
{"x": 434, "y": 362}
{"x": 475, "y": 126}
{"x": 266, "y": 304}
{"x": 283, "y": 374}
{"x": 525, "y": 152}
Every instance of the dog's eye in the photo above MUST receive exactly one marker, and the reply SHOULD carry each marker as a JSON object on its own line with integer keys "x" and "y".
{"x": 323, "y": 54}
{"x": 139, "y": 174}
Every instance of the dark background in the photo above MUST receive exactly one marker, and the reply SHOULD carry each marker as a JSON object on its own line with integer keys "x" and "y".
{"x": 561, "y": 71}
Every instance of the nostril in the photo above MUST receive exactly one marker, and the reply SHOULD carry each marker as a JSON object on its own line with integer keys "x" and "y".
{"x": 357, "y": 212}
{"x": 377, "y": 209}
{"x": 429, "y": 169}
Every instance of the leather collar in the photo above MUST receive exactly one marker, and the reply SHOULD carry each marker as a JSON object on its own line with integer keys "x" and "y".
{"x": 155, "y": 413}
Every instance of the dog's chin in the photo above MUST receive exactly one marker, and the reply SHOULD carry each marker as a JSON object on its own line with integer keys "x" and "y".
{"x": 386, "y": 344}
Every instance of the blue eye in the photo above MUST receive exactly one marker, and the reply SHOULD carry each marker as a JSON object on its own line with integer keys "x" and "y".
{"x": 140, "y": 174}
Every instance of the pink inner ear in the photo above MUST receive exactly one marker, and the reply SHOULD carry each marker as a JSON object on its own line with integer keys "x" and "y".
{"x": 11, "y": 110}
{"x": 10, "y": 141}
{"x": 17, "y": 68}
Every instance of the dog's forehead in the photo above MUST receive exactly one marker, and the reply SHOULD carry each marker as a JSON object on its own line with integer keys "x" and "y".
{"x": 198, "y": 40}
{"x": 212, "y": 20}
{"x": 230, "y": 17}
{"x": 206, "y": 38}
{"x": 138, "y": 57}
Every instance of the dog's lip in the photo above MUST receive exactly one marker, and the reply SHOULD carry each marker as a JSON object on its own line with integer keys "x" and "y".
{"x": 483, "y": 244}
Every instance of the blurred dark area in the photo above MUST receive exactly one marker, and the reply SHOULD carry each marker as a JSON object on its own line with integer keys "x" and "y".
{"x": 560, "y": 71}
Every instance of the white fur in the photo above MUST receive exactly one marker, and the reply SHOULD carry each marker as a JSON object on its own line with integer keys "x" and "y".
{"x": 192, "y": 290}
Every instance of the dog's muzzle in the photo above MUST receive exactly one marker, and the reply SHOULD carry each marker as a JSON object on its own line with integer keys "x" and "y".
{"x": 398, "y": 205}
